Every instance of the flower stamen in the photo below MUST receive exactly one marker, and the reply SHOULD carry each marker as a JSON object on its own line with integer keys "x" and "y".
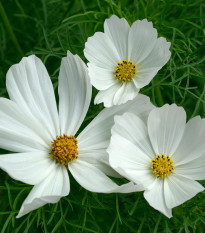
{"x": 162, "y": 166}
{"x": 125, "y": 71}
{"x": 64, "y": 149}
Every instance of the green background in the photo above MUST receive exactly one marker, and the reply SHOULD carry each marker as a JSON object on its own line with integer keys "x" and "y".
{"x": 50, "y": 28}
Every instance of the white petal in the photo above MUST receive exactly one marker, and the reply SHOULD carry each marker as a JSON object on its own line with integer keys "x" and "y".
{"x": 97, "y": 134}
{"x": 101, "y": 51}
{"x": 192, "y": 144}
{"x": 141, "y": 40}
{"x": 117, "y": 30}
{"x": 159, "y": 55}
{"x": 30, "y": 168}
{"x": 107, "y": 96}
{"x": 50, "y": 190}
{"x": 19, "y": 130}
{"x": 127, "y": 91}
{"x": 75, "y": 93}
{"x": 133, "y": 129}
{"x": 29, "y": 85}
{"x": 144, "y": 177}
{"x": 98, "y": 158}
{"x": 178, "y": 189}
{"x": 101, "y": 78}
{"x": 94, "y": 180}
{"x": 194, "y": 170}
{"x": 156, "y": 198}
{"x": 124, "y": 154}
{"x": 130, "y": 161}
{"x": 166, "y": 127}
{"x": 143, "y": 77}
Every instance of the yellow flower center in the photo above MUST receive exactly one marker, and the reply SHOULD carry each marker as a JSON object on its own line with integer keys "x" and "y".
{"x": 64, "y": 149}
{"x": 125, "y": 71}
{"x": 162, "y": 166}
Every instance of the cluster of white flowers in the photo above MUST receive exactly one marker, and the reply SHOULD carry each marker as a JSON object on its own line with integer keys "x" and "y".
{"x": 152, "y": 147}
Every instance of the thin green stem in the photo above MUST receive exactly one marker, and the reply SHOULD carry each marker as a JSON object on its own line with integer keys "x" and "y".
{"x": 159, "y": 96}
{"x": 10, "y": 30}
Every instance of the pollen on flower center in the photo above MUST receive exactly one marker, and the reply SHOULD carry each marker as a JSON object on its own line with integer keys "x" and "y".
{"x": 64, "y": 149}
{"x": 162, "y": 166}
{"x": 125, "y": 71}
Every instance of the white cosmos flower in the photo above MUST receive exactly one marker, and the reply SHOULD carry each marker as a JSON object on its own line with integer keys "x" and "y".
{"x": 124, "y": 59}
{"x": 44, "y": 138}
{"x": 165, "y": 155}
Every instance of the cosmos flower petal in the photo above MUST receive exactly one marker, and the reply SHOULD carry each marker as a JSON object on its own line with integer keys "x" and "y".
{"x": 143, "y": 177}
{"x": 128, "y": 91}
{"x": 30, "y": 168}
{"x": 178, "y": 189}
{"x": 107, "y": 56}
{"x": 99, "y": 159}
{"x": 143, "y": 77}
{"x": 156, "y": 199}
{"x": 190, "y": 155}
{"x": 97, "y": 134}
{"x": 94, "y": 180}
{"x": 19, "y": 130}
{"x": 117, "y": 30}
{"x": 135, "y": 158}
{"x": 192, "y": 144}
{"x": 29, "y": 85}
{"x": 107, "y": 96}
{"x": 50, "y": 190}
{"x": 159, "y": 55}
{"x": 101, "y": 78}
{"x": 129, "y": 161}
{"x": 192, "y": 173}
{"x": 133, "y": 129}
{"x": 166, "y": 127}
{"x": 194, "y": 170}
{"x": 75, "y": 93}
{"x": 142, "y": 39}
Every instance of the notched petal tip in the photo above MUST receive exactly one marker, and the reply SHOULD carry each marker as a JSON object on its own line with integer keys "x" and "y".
{"x": 50, "y": 190}
{"x": 113, "y": 19}
{"x": 75, "y": 92}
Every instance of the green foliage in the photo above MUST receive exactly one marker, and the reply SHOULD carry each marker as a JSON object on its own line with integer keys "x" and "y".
{"x": 50, "y": 28}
